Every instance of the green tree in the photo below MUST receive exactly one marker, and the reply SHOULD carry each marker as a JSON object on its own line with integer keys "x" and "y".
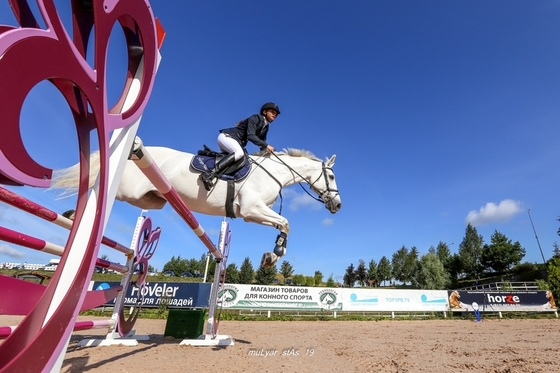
{"x": 372, "y": 273}
{"x": 350, "y": 276}
{"x": 554, "y": 276}
{"x": 246, "y": 272}
{"x": 555, "y": 250}
{"x": 318, "y": 278}
{"x": 232, "y": 274}
{"x": 193, "y": 266}
{"x": 470, "y": 252}
{"x": 177, "y": 265}
{"x": 200, "y": 266}
{"x": 501, "y": 255}
{"x": 527, "y": 271}
{"x": 361, "y": 273}
{"x": 309, "y": 281}
{"x": 330, "y": 282}
{"x": 430, "y": 273}
{"x": 398, "y": 263}
{"x": 454, "y": 267}
{"x": 286, "y": 270}
{"x": 444, "y": 254}
{"x": 298, "y": 280}
{"x": 265, "y": 276}
{"x": 410, "y": 264}
{"x": 384, "y": 270}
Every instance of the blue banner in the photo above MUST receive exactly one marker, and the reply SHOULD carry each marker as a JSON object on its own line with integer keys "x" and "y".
{"x": 174, "y": 294}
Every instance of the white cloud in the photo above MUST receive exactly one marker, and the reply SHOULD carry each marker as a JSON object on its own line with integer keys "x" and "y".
{"x": 491, "y": 213}
{"x": 9, "y": 251}
{"x": 327, "y": 221}
{"x": 297, "y": 201}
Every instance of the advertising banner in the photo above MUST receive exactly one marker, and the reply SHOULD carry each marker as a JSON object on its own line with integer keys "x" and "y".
{"x": 530, "y": 300}
{"x": 373, "y": 299}
{"x": 279, "y": 298}
{"x": 176, "y": 294}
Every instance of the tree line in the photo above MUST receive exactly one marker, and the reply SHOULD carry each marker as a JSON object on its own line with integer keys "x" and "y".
{"x": 474, "y": 261}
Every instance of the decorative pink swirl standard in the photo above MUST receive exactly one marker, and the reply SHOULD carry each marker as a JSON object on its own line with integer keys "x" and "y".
{"x": 29, "y": 55}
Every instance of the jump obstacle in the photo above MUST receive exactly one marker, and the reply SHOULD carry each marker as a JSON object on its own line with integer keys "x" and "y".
{"x": 29, "y": 55}
{"x": 143, "y": 245}
{"x": 145, "y": 163}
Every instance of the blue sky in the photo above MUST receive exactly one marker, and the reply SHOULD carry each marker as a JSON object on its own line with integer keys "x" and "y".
{"x": 440, "y": 113}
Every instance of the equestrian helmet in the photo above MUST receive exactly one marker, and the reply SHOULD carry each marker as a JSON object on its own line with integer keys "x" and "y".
{"x": 270, "y": 105}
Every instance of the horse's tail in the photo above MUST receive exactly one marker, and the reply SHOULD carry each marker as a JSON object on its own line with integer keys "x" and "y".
{"x": 67, "y": 179}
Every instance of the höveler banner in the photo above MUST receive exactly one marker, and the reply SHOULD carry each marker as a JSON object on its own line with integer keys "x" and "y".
{"x": 174, "y": 294}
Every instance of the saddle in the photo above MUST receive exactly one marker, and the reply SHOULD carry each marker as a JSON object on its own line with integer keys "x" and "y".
{"x": 206, "y": 158}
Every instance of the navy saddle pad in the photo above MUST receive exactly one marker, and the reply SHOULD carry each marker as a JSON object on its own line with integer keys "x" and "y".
{"x": 205, "y": 163}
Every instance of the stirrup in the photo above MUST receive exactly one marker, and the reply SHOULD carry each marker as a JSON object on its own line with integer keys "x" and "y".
{"x": 207, "y": 181}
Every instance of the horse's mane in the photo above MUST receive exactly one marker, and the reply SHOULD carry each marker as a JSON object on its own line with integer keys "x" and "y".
{"x": 290, "y": 152}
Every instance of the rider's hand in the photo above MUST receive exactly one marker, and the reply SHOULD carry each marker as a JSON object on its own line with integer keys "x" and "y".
{"x": 270, "y": 148}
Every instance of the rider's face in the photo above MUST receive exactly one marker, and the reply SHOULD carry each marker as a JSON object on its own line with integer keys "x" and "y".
{"x": 270, "y": 115}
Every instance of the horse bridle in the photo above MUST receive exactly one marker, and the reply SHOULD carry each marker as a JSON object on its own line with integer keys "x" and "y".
{"x": 324, "y": 196}
{"x": 328, "y": 192}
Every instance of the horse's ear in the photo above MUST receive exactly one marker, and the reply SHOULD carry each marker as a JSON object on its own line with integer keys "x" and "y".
{"x": 330, "y": 162}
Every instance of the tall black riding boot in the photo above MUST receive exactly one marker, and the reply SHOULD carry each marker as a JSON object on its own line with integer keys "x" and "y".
{"x": 207, "y": 178}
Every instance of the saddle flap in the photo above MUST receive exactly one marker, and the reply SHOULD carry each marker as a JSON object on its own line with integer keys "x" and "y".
{"x": 236, "y": 172}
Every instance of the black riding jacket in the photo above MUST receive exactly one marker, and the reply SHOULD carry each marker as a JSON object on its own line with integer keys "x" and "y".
{"x": 252, "y": 129}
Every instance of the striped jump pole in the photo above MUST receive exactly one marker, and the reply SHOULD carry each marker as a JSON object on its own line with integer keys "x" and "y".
{"x": 5, "y": 331}
{"x": 146, "y": 163}
{"x": 38, "y": 244}
{"x": 33, "y": 208}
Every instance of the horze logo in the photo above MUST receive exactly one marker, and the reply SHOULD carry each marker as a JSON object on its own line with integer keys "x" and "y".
{"x": 227, "y": 296}
{"x": 507, "y": 299}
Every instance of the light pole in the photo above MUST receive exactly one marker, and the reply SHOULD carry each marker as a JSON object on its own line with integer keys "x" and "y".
{"x": 538, "y": 243}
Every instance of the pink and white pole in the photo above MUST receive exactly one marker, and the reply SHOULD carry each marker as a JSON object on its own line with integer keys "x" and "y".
{"x": 146, "y": 163}
{"x": 33, "y": 208}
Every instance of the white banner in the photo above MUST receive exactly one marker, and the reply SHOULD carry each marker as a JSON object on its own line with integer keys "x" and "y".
{"x": 373, "y": 299}
{"x": 299, "y": 298}
{"x": 303, "y": 298}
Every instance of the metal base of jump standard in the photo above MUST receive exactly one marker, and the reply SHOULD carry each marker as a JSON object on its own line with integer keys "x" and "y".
{"x": 212, "y": 338}
{"x": 144, "y": 240}
{"x": 130, "y": 340}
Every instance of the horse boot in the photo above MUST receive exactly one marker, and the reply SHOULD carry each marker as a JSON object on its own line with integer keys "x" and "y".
{"x": 208, "y": 177}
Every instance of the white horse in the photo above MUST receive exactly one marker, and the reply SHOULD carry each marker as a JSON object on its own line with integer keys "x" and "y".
{"x": 254, "y": 195}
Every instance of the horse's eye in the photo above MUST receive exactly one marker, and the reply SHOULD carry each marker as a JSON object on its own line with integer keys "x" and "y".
{"x": 331, "y": 177}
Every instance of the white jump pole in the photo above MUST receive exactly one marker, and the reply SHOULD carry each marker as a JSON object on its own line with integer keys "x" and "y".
{"x": 211, "y": 337}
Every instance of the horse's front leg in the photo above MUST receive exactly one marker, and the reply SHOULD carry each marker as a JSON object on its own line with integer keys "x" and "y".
{"x": 262, "y": 214}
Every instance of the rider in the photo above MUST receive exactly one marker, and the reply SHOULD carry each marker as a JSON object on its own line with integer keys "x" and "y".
{"x": 233, "y": 140}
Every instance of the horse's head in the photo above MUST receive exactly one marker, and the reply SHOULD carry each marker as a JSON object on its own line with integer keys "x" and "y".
{"x": 325, "y": 186}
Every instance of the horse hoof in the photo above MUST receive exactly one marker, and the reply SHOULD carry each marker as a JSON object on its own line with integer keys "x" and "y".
{"x": 279, "y": 251}
{"x": 268, "y": 260}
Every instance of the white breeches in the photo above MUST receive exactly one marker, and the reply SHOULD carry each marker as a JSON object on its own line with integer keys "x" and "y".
{"x": 229, "y": 145}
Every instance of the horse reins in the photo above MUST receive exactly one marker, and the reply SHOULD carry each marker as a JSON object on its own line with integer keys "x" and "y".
{"x": 321, "y": 198}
